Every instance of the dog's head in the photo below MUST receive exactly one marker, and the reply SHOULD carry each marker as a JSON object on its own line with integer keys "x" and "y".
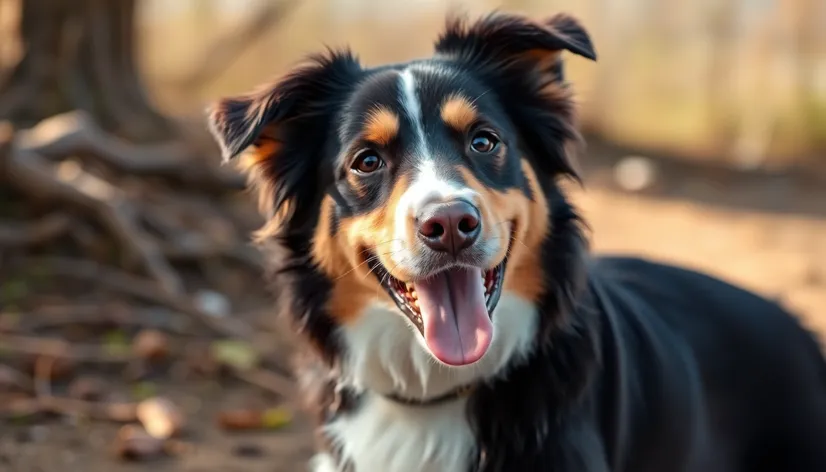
{"x": 422, "y": 192}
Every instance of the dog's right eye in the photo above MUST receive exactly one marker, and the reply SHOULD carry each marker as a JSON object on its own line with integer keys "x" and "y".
{"x": 367, "y": 162}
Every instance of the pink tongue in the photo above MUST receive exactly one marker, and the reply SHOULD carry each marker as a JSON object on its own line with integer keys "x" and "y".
{"x": 457, "y": 328}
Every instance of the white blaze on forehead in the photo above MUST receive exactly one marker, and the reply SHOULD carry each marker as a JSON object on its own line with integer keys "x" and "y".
{"x": 410, "y": 102}
{"x": 428, "y": 184}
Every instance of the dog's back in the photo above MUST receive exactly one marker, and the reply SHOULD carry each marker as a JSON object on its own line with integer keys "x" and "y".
{"x": 706, "y": 371}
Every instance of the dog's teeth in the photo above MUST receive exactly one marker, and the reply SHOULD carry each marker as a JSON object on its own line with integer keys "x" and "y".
{"x": 415, "y": 303}
{"x": 414, "y": 295}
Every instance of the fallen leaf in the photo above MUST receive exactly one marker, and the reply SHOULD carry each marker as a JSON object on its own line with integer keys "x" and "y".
{"x": 144, "y": 390}
{"x": 236, "y": 354}
{"x": 151, "y": 345}
{"x": 276, "y": 418}
{"x": 239, "y": 420}
{"x": 250, "y": 419}
{"x": 160, "y": 417}
{"x": 116, "y": 342}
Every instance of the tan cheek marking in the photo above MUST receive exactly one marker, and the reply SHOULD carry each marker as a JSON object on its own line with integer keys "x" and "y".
{"x": 335, "y": 257}
{"x": 354, "y": 287}
{"x": 458, "y": 113}
{"x": 382, "y": 126}
{"x": 525, "y": 275}
{"x": 383, "y": 226}
{"x": 325, "y": 250}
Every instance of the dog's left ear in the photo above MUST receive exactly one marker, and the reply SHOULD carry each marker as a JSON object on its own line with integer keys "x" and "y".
{"x": 523, "y": 58}
{"x": 500, "y": 40}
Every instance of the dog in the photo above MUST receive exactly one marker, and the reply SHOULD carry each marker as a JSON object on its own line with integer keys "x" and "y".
{"x": 420, "y": 243}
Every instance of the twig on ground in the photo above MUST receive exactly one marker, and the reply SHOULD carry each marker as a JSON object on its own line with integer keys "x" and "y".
{"x": 268, "y": 380}
{"x": 59, "y": 316}
{"x": 60, "y": 349}
{"x": 46, "y": 229}
{"x": 117, "y": 412}
{"x": 138, "y": 287}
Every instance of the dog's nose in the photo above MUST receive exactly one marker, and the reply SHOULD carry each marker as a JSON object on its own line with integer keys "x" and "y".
{"x": 450, "y": 226}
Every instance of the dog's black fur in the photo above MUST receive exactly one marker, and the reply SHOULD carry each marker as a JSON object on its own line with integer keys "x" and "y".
{"x": 637, "y": 366}
{"x": 661, "y": 369}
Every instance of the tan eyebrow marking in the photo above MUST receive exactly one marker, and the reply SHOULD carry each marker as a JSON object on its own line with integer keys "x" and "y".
{"x": 382, "y": 126}
{"x": 458, "y": 112}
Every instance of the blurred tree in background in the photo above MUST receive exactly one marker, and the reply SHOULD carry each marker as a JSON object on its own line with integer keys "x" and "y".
{"x": 79, "y": 55}
{"x": 88, "y": 164}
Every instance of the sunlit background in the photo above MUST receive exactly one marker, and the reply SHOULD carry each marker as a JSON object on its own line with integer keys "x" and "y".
{"x": 724, "y": 101}
{"x": 706, "y": 129}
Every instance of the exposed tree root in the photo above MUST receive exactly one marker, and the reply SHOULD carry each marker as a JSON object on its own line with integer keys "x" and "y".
{"x": 20, "y": 235}
{"x": 76, "y": 134}
{"x": 33, "y": 175}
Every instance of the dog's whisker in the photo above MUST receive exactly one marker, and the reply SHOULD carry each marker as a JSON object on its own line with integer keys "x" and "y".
{"x": 365, "y": 261}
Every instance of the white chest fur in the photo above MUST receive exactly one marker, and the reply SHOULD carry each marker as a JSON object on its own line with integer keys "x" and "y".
{"x": 386, "y": 355}
{"x": 386, "y": 436}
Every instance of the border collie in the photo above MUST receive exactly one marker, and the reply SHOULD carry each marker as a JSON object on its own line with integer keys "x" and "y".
{"x": 454, "y": 321}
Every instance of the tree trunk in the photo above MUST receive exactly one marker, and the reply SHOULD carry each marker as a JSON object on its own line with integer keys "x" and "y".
{"x": 80, "y": 55}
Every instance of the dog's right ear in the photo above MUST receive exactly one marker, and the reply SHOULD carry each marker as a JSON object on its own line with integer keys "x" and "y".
{"x": 286, "y": 124}
{"x": 238, "y": 122}
{"x": 243, "y": 121}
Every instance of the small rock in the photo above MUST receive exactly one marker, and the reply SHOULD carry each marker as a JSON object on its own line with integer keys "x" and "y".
{"x": 248, "y": 450}
{"x": 151, "y": 345}
{"x": 161, "y": 418}
{"x": 87, "y": 388}
{"x": 32, "y": 434}
{"x": 635, "y": 173}
{"x": 12, "y": 380}
{"x": 213, "y": 303}
{"x": 38, "y": 433}
{"x": 135, "y": 444}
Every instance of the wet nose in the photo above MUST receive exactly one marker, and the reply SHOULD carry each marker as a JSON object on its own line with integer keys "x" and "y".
{"x": 449, "y": 226}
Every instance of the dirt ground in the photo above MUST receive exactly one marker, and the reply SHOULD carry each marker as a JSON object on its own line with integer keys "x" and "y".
{"x": 765, "y": 232}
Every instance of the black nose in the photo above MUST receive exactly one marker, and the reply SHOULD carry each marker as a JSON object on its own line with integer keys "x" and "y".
{"x": 449, "y": 227}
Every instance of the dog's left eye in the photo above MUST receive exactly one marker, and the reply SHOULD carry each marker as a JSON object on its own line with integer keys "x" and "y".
{"x": 368, "y": 161}
{"x": 484, "y": 142}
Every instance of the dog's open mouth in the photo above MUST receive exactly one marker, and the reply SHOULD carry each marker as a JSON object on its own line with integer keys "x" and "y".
{"x": 452, "y": 309}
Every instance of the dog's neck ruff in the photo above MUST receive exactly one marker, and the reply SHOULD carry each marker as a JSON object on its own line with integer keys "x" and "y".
{"x": 455, "y": 394}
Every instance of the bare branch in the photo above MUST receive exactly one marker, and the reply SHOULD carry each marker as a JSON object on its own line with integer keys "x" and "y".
{"x": 139, "y": 288}
{"x": 20, "y": 235}
{"x": 76, "y": 133}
